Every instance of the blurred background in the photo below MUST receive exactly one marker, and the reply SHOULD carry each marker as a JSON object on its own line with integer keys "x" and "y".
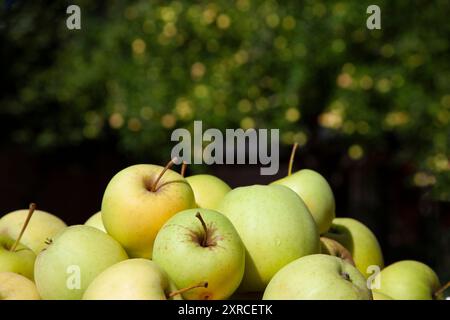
{"x": 370, "y": 109}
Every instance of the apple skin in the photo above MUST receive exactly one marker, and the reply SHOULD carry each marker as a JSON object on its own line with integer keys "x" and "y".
{"x": 380, "y": 296}
{"x": 133, "y": 215}
{"x": 96, "y": 222}
{"x": 275, "y": 227}
{"x": 133, "y": 279}
{"x": 318, "y": 277}
{"x": 315, "y": 191}
{"x": 42, "y": 226}
{"x": 85, "y": 247}
{"x": 408, "y": 280}
{"x": 359, "y": 241}
{"x": 20, "y": 261}
{"x": 208, "y": 190}
{"x": 14, "y": 286}
{"x": 179, "y": 252}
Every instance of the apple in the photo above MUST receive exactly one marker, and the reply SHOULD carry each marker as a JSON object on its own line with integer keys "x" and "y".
{"x": 75, "y": 257}
{"x": 96, "y": 221}
{"x": 20, "y": 260}
{"x": 380, "y": 296}
{"x": 14, "y": 256}
{"x": 139, "y": 200}
{"x": 198, "y": 245}
{"x": 208, "y": 190}
{"x": 43, "y": 226}
{"x": 275, "y": 227}
{"x": 316, "y": 193}
{"x": 133, "y": 279}
{"x": 359, "y": 241}
{"x": 318, "y": 277}
{"x": 14, "y": 286}
{"x": 409, "y": 280}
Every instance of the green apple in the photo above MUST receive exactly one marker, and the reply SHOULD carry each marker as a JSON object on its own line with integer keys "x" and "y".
{"x": 359, "y": 241}
{"x": 275, "y": 227}
{"x": 199, "y": 245}
{"x": 14, "y": 286}
{"x": 20, "y": 260}
{"x": 138, "y": 201}
{"x": 316, "y": 193}
{"x": 96, "y": 221}
{"x": 208, "y": 190}
{"x": 42, "y": 226}
{"x": 318, "y": 277}
{"x": 408, "y": 280}
{"x": 76, "y": 256}
{"x": 133, "y": 279}
{"x": 380, "y": 296}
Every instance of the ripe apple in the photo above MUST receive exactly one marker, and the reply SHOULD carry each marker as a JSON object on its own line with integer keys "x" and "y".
{"x": 275, "y": 227}
{"x": 359, "y": 241}
{"x": 318, "y": 277}
{"x": 316, "y": 193}
{"x": 20, "y": 260}
{"x": 14, "y": 256}
{"x": 13, "y": 286}
{"x": 133, "y": 279}
{"x": 42, "y": 226}
{"x": 139, "y": 200}
{"x": 96, "y": 221}
{"x": 198, "y": 245}
{"x": 409, "y": 280}
{"x": 75, "y": 257}
{"x": 208, "y": 190}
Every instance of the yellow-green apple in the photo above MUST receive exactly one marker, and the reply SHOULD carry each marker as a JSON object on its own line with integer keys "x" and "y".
{"x": 20, "y": 260}
{"x": 359, "y": 241}
{"x": 14, "y": 256}
{"x": 208, "y": 190}
{"x": 380, "y": 296}
{"x": 41, "y": 227}
{"x": 318, "y": 277}
{"x": 14, "y": 286}
{"x": 198, "y": 245}
{"x": 133, "y": 279}
{"x": 275, "y": 227}
{"x": 409, "y": 280}
{"x": 75, "y": 257}
{"x": 315, "y": 191}
{"x": 139, "y": 200}
{"x": 96, "y": 221}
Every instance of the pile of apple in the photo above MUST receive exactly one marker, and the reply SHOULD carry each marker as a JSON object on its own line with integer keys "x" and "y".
{"x": 160, "y": 235}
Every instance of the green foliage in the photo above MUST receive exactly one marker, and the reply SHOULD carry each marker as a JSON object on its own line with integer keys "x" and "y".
{"x": 138, "y": 70}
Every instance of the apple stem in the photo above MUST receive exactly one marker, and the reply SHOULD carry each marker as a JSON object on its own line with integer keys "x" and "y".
{"x": 291, "y": 160}
{"x": 205, "y": 228}
{"x": 442, "y": 289}
{"x": 167, "y": 167}
{"x": 31, "y": 209}
{"x": 200, "y": 285}
{"x": 338, "y": 250}
{"x": 183, "y": 168}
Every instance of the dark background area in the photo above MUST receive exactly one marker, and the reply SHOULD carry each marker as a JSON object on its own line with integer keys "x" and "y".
{"x": 370, "y": 109}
